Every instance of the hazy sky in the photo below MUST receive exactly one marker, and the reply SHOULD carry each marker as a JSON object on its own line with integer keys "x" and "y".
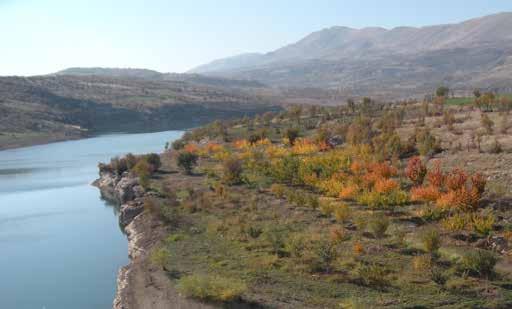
{"x": 43, "y": 36}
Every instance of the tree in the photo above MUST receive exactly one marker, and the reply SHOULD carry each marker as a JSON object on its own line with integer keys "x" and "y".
{"x": 442, "y": 91}
{"x": 154, "y": 160}
{"x": 291, "y": 134}
{"x": 232, "y": 171}
{"x": 186, "y": 161}
{"x": 143, "y": 170}
{"x": 351, "y": 105}
{"x": 477, "y": 93}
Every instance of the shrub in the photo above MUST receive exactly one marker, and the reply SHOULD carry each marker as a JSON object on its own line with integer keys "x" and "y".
{"x": 286, "y": 169}
{"x": 478, "y": 263}
{"x": 426, "y": 143}
{"x": 380, "y": 200}
{"x": 416, "y": 170}
{"x": 178, "y": 144}
{"x": 327, "y": 208}
{"x": 431, "y": 241}
{"x": 435, "y": 176}
{"x": 118, "y": 165}
{"x": 275, "y": 236}
{"x": 160, "y": 257}
{"x": 186, "y": 161}
{"x": 456, "y": 222}
{"x": 373, "y": 275}
{"x": 487, "y": 123}
{"x": 143, "y": 170}
{"x": 342, "y": 212}
{"x": 425, "y": 194}
{"x": 357, "y": 248}
{"x": 431, "y": 213}
{"x": 379, "y": 225}
{"x": 211, "y": 288}
{"x": 131, "y": 160}
{"x": 478, "y": 181}
{"x": 296, "y": 245}
{"x": 483, "y": 224}
{"x": 337, "y": 234}
{"x": 384, "y": 185}
{"x": 232, "y": 171}
{"x": 278, "y": 190}
{"x": 422, "y": 263}
{"x": 361, "y": 222}
{"x": 153, "y": 160}
{"x": 349, "y": 192}
{"x": 325, "y": 253}
{"x": 456, "y": 179}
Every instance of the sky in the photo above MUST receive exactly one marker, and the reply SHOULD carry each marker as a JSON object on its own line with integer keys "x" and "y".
{"x": 44, "y": 36}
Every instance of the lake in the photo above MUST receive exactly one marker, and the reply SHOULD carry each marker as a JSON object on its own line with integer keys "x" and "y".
{"x": 61, "y": 245}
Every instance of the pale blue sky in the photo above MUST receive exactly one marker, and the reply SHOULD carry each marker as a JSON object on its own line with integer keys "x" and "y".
{"x": 43, "y": 36}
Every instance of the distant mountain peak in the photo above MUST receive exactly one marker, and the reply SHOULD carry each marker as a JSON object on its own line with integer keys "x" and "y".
{"x": 375, "y": 58}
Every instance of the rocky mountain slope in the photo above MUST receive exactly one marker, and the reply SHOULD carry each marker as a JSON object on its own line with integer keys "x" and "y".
{"x": 403, "y": 61}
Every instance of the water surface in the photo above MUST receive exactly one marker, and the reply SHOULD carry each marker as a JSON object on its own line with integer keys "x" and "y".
{"x": 60, "y": 244}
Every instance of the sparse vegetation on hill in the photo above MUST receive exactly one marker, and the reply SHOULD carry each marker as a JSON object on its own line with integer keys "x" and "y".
{"x": 35, "y": 109}
{"x": 379, "y": 205}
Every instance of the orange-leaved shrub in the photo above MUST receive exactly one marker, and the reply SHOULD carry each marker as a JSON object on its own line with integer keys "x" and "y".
{"x": 416, "y": 170}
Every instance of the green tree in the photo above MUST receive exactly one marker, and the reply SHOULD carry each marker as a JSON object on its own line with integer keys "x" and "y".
{"x": 186, "y": 161}
{"x": 442, "y": 91}
{"x": 291, "y": 134}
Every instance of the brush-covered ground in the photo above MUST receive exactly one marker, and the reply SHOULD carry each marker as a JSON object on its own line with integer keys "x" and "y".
{"x": 397, "y": 206}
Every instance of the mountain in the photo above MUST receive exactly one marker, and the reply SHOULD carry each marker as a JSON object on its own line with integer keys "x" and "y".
{"x": 92, "y": 101}
{"x": 399, "y": 62}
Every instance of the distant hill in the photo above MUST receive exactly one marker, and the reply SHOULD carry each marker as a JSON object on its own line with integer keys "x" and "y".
{"x": 112, "y": 72}
{"x": 155, "y": 75}
{"x": 79, "y": 102}
{"x": 403, "y": 61}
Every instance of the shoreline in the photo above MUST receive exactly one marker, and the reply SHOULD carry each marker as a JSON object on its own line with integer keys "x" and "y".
{"x": 39, "y": 142}
{"x": 139, "y": 283}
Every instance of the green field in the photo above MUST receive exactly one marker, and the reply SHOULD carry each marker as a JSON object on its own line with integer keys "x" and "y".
{"x": 468, "y": 100}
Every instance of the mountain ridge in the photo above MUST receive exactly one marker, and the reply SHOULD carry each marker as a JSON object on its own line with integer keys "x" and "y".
{"x": 460, "y": 54}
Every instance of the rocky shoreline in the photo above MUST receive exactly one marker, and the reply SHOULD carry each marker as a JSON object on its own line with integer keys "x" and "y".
{"x": 139, "y": 284}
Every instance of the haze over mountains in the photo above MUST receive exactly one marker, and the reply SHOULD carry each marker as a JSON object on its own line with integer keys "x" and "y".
{"x": 400, "y": 62}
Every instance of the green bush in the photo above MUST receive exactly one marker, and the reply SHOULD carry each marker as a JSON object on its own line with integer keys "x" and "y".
{"x": 383, "y": 200}
{"x": 373, "y": 275}
{"x": 186, "y": 161}
{"x": 211, "y": 288}
{"x": 379, "y": 225}
{"x": 286, "y": 170}
{"x": 478, "y": 263}
{"x": 143, "y": 170}
{"x": 153, "y": 159}
{"x": 325, "y": 253}
{"x": 431, "y": 241}
{"x": 178, "y": 144}
{"x": 160, "y": 257}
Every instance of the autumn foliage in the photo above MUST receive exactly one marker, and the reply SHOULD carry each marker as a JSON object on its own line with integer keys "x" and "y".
{"x": 416, "y": 171}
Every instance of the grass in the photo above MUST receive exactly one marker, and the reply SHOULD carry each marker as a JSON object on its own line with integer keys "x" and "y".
{"x": 458, "y": 101}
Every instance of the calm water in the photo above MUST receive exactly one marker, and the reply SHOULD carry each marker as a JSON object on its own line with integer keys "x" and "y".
{"x": 60, "y": 244}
